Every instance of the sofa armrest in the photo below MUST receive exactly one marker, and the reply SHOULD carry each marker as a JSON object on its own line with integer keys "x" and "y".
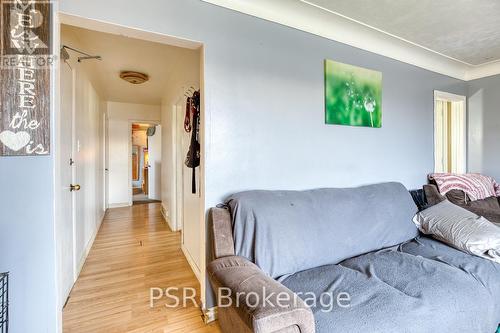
{"x": 222, "y": 231}
{"x": 432, "y": 195}
{"x": 262, "y": 303}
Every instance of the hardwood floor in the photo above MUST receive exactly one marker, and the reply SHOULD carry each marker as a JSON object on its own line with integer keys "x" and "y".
{"x": 134, "y": 251}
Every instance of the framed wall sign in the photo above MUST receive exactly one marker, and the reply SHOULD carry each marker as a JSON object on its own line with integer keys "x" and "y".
{"x": 25, "y": 77}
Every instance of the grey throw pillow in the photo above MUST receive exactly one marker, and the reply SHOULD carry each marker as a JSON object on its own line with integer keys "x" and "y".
{"x": 461, "y": 229}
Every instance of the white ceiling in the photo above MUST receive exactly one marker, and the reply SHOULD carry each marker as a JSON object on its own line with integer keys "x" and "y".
{"x": 458, "y": 38}
{"x": 465, "y": 30}
{"x": 120, "y": 53}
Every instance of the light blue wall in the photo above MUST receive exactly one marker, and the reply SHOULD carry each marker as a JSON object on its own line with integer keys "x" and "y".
{"x": 265, "y": 105}
{"x": 27, "y": 239}
{"x": 27, "y": 245}
{"x": 264, "y": 90}
{"x": 484, "y": 126}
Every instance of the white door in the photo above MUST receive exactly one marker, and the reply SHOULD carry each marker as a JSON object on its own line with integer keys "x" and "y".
{"x": 66, "y": 167}
{"x": 154, "y": 172}
{"x": 105, "y": 161}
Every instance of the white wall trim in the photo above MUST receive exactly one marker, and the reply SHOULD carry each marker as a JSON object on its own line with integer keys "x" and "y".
{"x": 176, "y": 193}
{"x": 55, "y": 111}
{"x": 306, "y": 16}
{"x": 449, "y": 96}
{"x": 383, "y": 31}
{"x": 89, "y": 246}
{"x": 119, "y": 204}
{"x": 204, "y": 148}
{"x": 194, "y": 268}
{"x": 210, "y": 314}
{"x": 446, "y": 96}
{"x": 164, "y": 214}
{"x": 117, "y": 29}
{"x": 478, "y": 72}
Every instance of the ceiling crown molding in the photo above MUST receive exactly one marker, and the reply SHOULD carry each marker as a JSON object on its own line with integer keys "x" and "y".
{"x": 478, "y": 72}
{"x": 310, "y": 18}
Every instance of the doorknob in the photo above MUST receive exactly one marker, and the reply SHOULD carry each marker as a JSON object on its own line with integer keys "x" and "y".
{"x": 74, "y": 187}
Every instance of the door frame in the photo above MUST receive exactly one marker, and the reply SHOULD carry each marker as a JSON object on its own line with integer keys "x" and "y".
{"x": 130, "y": 122}
{"x": 446, "y": 96}
{"x": 105, "y": 159}
{"x": 60, "y": 162}
{"x": 76, "y": 270}
{"x": 178, "y": 173}
{"x": 113, "y": 28}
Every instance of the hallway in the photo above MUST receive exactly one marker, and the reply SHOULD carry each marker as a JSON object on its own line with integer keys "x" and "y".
{"x": 134, "y": 251}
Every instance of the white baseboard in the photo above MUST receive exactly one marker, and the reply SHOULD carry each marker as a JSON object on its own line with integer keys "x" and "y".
{"x": 164, "y": 213}
{"x": 166, "y": 217}
{"x": 119, "y": 204}
{"x": 88, "y": 247}
{"x": 210, "y": 315}
{"x": 194, "y": 267}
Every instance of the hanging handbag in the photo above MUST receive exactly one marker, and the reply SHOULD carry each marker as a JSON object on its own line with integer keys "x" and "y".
{"x": 187, "y": 117}
{"x": 193, "y": 156}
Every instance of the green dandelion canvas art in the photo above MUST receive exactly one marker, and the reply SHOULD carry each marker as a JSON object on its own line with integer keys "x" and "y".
{"x": 353, "y": 95}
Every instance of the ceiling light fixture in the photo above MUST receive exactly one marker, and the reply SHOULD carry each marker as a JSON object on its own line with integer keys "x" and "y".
{"x": 134, "y": 77}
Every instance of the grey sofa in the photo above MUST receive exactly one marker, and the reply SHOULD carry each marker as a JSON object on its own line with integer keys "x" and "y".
{"x": 360, "y": 243}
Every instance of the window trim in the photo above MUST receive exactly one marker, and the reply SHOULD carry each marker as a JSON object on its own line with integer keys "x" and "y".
{"x": 450, "y": 97}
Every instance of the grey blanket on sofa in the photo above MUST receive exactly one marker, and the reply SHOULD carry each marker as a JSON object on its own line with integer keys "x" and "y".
{"x": 284, "y": 232}
{"x": 362, "y": 241}
{"x": 420, "y": 286}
